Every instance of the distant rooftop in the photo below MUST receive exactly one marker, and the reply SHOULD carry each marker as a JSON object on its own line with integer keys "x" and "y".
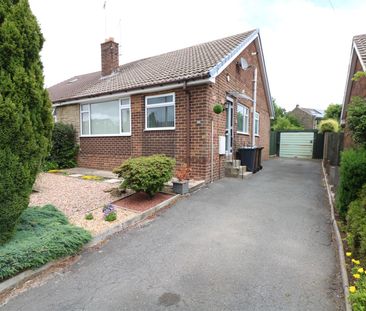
{"x": 317, "y": 113}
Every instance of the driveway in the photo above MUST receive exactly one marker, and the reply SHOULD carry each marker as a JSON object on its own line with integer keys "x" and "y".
{"x": 257, "y": 244}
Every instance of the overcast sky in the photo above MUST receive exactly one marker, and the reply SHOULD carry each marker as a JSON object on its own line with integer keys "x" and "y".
{"x": 306, "y": 44}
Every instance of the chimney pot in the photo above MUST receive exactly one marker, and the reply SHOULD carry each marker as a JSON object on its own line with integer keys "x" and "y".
{"x": 110, "y": 56}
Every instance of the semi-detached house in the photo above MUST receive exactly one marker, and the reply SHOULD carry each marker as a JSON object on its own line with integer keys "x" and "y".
{"x": 164, "y": 104}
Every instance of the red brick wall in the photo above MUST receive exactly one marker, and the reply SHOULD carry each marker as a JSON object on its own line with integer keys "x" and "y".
{"x": 239, "y": 80}
{"x": 358, "y": 88}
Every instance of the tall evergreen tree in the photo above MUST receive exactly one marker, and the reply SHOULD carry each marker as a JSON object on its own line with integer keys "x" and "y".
{"x": 25, "y": 110}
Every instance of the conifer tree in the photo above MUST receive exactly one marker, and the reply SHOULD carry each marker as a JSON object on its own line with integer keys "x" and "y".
{"x": 25, "y": 111}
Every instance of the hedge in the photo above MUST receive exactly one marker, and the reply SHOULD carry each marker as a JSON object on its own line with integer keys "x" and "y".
{"x": 352, "y": 177}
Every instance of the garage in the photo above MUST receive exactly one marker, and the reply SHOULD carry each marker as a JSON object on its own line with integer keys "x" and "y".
{"x": 296, "y": 144}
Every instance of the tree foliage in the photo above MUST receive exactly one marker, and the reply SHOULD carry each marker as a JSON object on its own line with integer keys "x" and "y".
{"x": 356, "y": 119}
{"x": 329, "y": 125}
{"x": 64, "y": 148}
{"x": 283, "y": 120}
{"x": 333, "y": 111}
{"x": 25, "y": 111}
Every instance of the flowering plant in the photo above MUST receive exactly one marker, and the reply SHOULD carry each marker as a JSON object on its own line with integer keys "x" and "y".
{"x": 182, "y": 173}
{"x": 109, "y": 212}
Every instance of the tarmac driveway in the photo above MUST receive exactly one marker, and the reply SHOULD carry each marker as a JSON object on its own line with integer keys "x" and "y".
{"x": 257, "y": 244}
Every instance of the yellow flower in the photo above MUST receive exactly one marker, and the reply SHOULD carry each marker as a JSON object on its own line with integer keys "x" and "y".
{"x": 352, "y": 289}
{"x": 356, "y": 262}
{"x": 348, "y": 254}
{"x": 356, "y": 276}
{"x": 360, "y": 270}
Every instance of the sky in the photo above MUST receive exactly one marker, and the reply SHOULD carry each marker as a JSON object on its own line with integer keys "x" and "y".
{"x": 306, "y": 44}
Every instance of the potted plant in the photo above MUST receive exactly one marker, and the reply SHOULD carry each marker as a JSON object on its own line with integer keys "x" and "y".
{"x": 180, "y": 186}
{"x": 218, "y": 108}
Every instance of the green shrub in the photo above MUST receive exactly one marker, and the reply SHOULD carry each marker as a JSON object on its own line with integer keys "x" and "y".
{"x": 25, "y": 111}
{"x": 49, "y": 165}
{"x": 352, "y": 177}
{"x": 43, "y": 234}
{"x": 64, "y": 148}
{"x": 146, "y": 174}
{"x": 356, "y": 225}
{"x": 89, "y": 216}
{"x": 356, "y": 119}
{"x": 111, "y": 217}
{"x": 329, "y": 125}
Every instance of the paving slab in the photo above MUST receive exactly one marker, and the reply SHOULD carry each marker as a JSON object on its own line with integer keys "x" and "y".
{"x": 262, "y": 243}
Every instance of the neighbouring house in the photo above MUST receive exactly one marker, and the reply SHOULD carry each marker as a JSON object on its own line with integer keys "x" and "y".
{"x": 309, "y": 118}
{"x": 164, "y": 104}
{"x": 354, "y": 88}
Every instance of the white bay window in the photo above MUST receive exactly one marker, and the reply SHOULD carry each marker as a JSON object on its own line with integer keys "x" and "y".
{"x": 111, "y": 118}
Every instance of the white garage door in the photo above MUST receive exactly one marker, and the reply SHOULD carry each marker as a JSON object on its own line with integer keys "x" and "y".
{"x": 297, "y": 145}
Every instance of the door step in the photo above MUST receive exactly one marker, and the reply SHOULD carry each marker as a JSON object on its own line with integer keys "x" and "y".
{"x": 234, "y": 169}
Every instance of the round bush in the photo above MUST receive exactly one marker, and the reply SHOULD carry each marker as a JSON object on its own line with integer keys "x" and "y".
{"x": 218, "y": 108}
{"x": 329, "y": 125}
{"x": 147, "y": 174}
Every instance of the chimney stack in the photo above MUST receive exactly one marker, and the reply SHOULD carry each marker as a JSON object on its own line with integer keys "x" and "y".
{"x": 110, "y": 56}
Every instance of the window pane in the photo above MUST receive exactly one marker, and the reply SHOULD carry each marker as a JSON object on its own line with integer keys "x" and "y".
{"x": 246, "y": 123}
{"x": 170, "y": 116}
{"x": 85, "y": 123}
{"x": 160, "y": 117}
{"x": 160, "y": 100}
{"x": 105, "y": 118}
{"x": 240, "y": 122}
{"x": 125, "y": 102}
{"x": 85, "y": 107}
{"x": 125, "y": 120}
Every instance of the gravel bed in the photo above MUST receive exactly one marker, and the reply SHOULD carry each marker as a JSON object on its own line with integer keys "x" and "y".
{"x": 98, "y": 224}
{"x": 71, "y": 195}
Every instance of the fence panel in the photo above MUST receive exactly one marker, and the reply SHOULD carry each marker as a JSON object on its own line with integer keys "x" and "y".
{"x": 333, "y": 145}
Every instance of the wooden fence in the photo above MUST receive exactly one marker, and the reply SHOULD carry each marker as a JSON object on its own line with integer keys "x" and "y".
{"x": 333, "y": 145}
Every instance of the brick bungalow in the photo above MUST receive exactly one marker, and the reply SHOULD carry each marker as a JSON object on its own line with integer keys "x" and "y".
{"x": 164, "y": 104}
{"x": 309, "y": 118}
{"x": 354, "y": 88}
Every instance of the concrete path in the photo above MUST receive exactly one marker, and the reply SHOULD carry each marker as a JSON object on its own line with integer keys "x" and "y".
{"x": 257, "y": 244}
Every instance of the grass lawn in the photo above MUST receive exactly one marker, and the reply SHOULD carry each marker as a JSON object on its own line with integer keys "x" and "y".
{"x": 43, "y": 234}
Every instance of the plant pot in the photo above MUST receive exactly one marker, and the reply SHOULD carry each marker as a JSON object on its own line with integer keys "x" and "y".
{"x": 180, "y": 187}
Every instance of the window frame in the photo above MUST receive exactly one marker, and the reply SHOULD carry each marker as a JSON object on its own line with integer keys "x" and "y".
{"x": 120, "y": 107}
{"x": 246, "y": 109}
{"x": 147, "y": 106}
{"x": 256, "y": 119}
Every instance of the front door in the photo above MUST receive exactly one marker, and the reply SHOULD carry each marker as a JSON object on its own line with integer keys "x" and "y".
{"x": 229, "y": 128}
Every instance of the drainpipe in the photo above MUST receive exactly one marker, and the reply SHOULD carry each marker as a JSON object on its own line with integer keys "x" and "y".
{"x": 188, "y": 125}
{"x": 254, "y": 103}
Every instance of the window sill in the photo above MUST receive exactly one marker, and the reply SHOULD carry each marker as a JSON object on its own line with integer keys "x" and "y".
{"x": 242, "y": 133}
{"x": 256, "y": 135}
{"x": 107, "y": 135}
{"x": 160, "y": 129}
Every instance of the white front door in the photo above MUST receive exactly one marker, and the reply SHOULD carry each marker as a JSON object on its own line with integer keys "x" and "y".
{"x": 229, "y": 128}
